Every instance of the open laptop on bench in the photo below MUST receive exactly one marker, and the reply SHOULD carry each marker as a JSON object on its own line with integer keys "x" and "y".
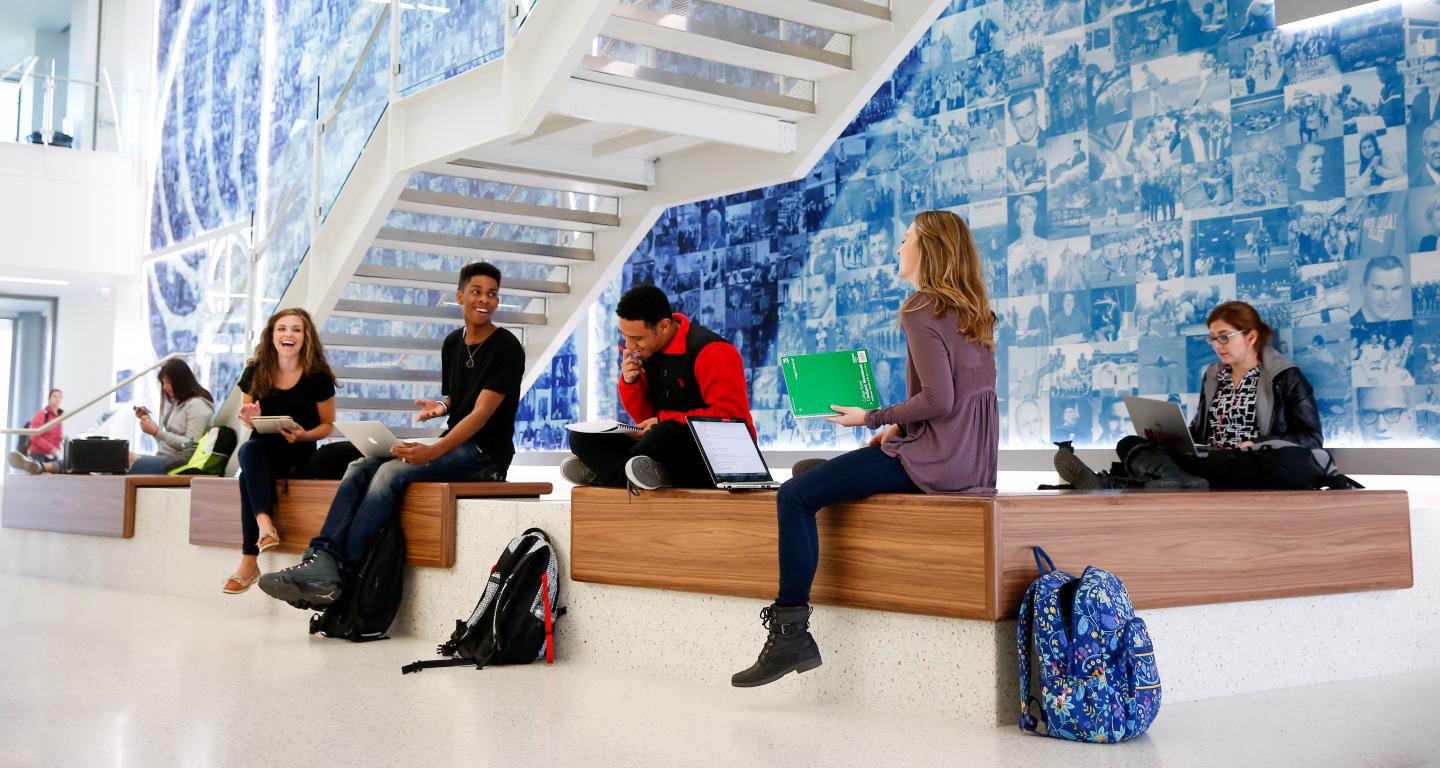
{"x": 1162, "y": 422}
{"x": 731, "y": 454}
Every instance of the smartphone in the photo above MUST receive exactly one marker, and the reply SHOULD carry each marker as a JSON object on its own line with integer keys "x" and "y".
{"x": 141, "y": 410}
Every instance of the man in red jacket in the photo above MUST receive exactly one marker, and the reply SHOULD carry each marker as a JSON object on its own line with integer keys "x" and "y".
{"x": 44, "y": 449}
{"x": 672, "y": 369}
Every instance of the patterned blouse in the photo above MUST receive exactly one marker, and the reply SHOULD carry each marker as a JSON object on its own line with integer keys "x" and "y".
{"x": 1232, "y": 412}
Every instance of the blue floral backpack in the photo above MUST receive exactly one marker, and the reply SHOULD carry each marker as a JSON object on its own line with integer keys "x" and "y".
{"x": 1097, "y": 668}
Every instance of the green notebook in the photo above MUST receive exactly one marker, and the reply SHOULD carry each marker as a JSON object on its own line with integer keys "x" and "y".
{"x": 815, "y": 382}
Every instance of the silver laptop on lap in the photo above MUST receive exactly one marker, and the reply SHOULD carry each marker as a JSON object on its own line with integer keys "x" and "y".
{"x": 731, "y": 454}
{"x": 1162, "y": 422}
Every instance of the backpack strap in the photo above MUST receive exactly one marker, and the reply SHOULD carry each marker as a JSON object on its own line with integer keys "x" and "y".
{"x": 1022, "y": 644}
{"x": 1047, "y": 565}
{"x": 549, "y": 619}
{"x": 431, "y": 663}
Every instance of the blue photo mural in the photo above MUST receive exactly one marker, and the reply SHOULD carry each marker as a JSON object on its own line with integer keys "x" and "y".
{"x": 1125, "y": 165}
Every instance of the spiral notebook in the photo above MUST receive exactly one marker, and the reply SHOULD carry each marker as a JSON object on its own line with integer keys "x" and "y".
{"x": 815, "y": 382}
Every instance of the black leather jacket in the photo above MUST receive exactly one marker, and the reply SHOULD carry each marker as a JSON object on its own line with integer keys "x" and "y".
{"x": 1290, "y": 403}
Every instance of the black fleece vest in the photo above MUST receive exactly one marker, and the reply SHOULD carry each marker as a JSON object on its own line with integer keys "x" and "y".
{"x": 670, "y": 379}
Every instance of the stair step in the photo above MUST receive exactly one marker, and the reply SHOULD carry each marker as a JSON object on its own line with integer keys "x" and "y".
{"x": 725, "y": 44}
{"x": 389, "y": 344}
{"x": 503, "y": 211}
{"x": 421, "y": 313}
{"x": 376, "y": 404}
{"x": 504, "y": 173}
{"x": 624, "y": 74}
{"x": 435, "y": 280}
{"x": 386, "y": 374}
{"x": 848, "y": 16}
{"x": 479, "y": 247}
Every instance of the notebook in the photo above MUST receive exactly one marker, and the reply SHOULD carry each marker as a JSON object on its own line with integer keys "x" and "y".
{"x": 815, "y": 382}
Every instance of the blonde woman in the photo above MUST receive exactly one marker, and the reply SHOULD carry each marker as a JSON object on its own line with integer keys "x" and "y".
{"x": 942, "y": 439}
{"x": 288, "y": 376}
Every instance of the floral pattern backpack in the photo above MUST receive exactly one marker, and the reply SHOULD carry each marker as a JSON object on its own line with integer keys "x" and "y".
{"x": 1098, "y": 678}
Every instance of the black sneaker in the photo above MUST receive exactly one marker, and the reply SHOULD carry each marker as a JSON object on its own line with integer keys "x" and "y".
{"x": 312, "y": 583}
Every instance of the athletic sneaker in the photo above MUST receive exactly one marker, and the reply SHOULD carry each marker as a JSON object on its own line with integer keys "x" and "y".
{"x": 574, "y": 470}
{"x": 24, "y": 463}
{"x": 646, "y": 473}
{"x": 312, "y": 583}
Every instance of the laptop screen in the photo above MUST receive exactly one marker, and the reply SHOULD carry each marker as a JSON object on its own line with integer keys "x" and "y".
{"x": 729, "y": 451}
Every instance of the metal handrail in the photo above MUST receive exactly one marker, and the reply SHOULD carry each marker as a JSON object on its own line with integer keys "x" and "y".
{"x": 32, "y": 431}
{"x": 359, "y": 63}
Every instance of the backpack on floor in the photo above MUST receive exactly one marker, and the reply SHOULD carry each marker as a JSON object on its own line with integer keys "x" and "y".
{"x": 211, "y": 454}
{"x": 1098, "y": 678}
{"x": 368, "y": 606}
{"x": 514, "y": 622}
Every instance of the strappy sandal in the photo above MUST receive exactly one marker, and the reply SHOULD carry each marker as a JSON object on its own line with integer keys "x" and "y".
{"x": 238, "y": 584}
{"x": 268, "y": 541}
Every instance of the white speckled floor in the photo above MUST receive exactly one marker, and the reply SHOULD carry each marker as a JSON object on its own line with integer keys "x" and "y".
{"x": 95, "y": 677}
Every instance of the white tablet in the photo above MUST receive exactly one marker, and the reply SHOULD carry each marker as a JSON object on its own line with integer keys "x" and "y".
{"x": 267, "y": 425}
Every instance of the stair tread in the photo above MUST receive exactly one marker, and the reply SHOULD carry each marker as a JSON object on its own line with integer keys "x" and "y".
{"x": 465, "y": 245}
{"x": 449, "y": 204}
{"x": 428, "y": 313}
{"x": 440, "y": 280}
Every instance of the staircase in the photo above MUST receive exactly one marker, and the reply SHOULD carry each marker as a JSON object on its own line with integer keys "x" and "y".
{"x": 555, "y": 160}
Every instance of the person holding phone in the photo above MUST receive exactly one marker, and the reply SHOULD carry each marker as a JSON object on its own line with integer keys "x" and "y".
{"x": 181, "y": 427}
{"x": 287, "y": 376}
{"x": 670, "y": 369}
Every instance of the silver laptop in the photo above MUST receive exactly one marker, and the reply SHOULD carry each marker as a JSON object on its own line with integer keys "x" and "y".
{"x": 373, "y": 438}
{"x": 731, "y": 454}
{"x": 1162, "y": 422}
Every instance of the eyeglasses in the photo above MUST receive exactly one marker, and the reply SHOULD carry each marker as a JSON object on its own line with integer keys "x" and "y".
{"x": 1392, "y": 415}
{"x": 1223, "y": 338}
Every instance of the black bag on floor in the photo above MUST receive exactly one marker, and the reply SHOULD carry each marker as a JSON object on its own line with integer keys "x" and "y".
{"x": 368, "y": 606}
{"x": 97, "y": 455}
{"x": 514, "y": 622}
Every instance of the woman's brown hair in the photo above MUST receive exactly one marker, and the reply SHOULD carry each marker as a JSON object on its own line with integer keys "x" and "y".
{"x": 182, "y": 382}
{"x": 949, "y": 278}
{"x": 1244, "y": 318}
{"x": 267, "y": 361}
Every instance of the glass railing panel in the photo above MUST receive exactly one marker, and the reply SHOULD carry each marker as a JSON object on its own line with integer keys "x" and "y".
{"x": 284, "y": 244}
{"x": 674, "y": 63}
{"x": 359, "y": 96}
{"x": 754, "y": 23}
{"x": 36, "y": 108}
{"x": 495, "y": 190}
{"x": 442, "y": 38}
{"x": 198, "y": 303}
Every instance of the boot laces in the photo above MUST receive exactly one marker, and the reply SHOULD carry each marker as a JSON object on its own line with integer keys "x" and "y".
{"x": 767, "y": 618}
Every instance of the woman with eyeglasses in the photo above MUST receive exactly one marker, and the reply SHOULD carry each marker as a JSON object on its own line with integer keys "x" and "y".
{"x": 1251, "y": 395}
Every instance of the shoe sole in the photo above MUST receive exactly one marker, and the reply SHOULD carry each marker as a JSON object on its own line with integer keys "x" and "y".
{"x": 1075, "y": 472}
{"x": 804, "y": 666}
{"x": 289, "y": 592}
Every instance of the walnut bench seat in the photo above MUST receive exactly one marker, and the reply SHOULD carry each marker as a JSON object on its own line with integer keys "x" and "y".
{"x": 969, "y": 556}
{"x": 96, "y": 505}
{"x": 427, "y": 513}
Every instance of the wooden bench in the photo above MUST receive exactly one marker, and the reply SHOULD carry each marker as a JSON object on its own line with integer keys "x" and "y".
{"x": 969, "y": 556}
{"x": 427, "y": 513}
{"x": 96, "y": 505}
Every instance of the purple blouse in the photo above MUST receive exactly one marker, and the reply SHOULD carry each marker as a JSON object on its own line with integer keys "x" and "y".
{"x": 950, "y": 420}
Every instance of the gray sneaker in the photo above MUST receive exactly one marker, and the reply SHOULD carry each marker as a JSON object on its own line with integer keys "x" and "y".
{"x": 575, "y": 471}
{"x": 313, "y": 583}
{"x": 646, "y": 473}
{"x": 24, "y": 463}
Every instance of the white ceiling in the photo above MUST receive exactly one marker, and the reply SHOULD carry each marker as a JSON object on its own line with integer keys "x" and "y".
{"x": 19, "y": 16}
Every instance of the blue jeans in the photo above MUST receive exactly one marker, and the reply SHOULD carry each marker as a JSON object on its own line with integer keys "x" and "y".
{"x": 371, "y": 492}
{"x": 847, "y": 477}
{"x": 150, "y": 465}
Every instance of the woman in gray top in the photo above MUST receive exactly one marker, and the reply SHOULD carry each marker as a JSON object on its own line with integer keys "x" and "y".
{"x": 943, "y": 438}
{"x": 181, "y": 427}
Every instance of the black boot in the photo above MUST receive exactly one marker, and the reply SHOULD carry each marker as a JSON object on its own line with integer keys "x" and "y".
{"x": 1158, "y": 470}
{"x": 789, "y": 647}
{"x": 1073, "y": 471}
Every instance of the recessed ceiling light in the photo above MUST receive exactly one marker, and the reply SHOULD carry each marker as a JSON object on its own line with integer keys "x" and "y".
{"x": 34, "y": 280}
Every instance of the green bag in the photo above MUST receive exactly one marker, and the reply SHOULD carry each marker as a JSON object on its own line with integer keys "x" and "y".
{"x": 211, "y": 454}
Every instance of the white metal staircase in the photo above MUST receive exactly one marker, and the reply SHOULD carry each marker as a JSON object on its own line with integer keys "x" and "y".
{"x": 555, "y": 160}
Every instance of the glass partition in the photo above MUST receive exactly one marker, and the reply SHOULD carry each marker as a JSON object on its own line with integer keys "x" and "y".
{"x": 442, "y": 38}
{"x": 40, "y": 107}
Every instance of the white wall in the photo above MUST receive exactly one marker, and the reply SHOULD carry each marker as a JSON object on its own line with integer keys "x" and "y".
{"x": 84, "y": 342}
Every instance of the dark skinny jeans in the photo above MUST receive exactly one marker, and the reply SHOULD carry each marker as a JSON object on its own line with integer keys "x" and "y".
{"x": 850, "y": 476}
{"x": 262, "y": 462}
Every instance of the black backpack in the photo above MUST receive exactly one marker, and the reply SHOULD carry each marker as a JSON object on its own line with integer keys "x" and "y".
{"x": 514, "y": 622}
{"x": 368, "y": 606}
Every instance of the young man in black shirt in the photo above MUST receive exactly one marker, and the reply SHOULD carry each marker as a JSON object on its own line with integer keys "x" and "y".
{"x": 481, "y": 365}
{"x": 672, "y": 369}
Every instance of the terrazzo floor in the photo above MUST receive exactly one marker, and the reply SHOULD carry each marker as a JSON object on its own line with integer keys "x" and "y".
{"x": 96, "y": 677}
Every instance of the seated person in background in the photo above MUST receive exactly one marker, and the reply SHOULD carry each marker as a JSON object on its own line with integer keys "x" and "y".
{"x": 481, "y": 367}
{"x": 1252, "y": 395}
{"x": 287, "y": 376}
{"x": 944, "y": 438}
{"x": 191, "y": 408}
{"x": 43, "y": 453}
{"x": 672, "y": 369}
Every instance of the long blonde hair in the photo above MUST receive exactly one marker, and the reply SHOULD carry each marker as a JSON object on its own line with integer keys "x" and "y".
{"x": 267, "y": 360}
{"x": 949, "y": 278}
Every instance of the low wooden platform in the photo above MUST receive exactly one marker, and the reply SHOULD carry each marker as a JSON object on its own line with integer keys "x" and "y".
{"x": 427, "y": 513}
{"x": 969, "y": 556}
{"x": 96, "y": 505}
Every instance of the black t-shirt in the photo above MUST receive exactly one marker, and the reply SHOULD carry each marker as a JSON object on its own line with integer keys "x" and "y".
{"x": 499, "y": 366}
{"x": 299, "y": 402}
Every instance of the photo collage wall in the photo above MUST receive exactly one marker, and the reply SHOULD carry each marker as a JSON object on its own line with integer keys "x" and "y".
{"x": 1125, "y": 165}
